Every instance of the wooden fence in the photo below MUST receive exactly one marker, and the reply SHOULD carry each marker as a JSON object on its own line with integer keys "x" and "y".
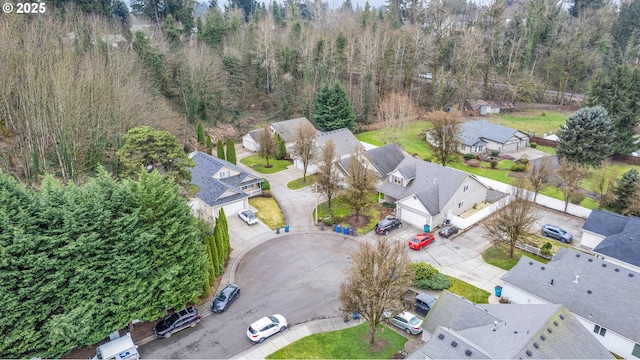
{"x": 544, "y": 142}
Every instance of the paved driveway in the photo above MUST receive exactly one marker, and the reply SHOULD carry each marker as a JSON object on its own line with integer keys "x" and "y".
{"x": 295, "y": 275}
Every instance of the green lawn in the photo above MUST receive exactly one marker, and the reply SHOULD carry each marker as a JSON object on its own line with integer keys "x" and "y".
{"x": 407, "y": 137}
{"x": 350, "y": 343}
{"x": 258, "y": 164}
{"x": 533, "y": 122}
{"x": 548, "y": 149}
{"x": 340, "y": 211}
{"x": 468, "y": 291}
{"x": 498, "y": 255}
{"x": 268, "y": 211}
{"x": 498, "y": 175}
{"x": 299, "y": 183}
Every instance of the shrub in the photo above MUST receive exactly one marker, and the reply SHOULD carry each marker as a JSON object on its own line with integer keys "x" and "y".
{"x": 518, "y": 168}
{"x": 494, "y": 164}
{"x": 495, "y": 152}
{"x": 474, "y": 163}
{"x": 267, "y": 193}
{"x": 546, "y": 248}
{"x": 524, "y": 161}
{"x": 428, "y": 277}
{"x": 265, "y": 185}
{"x": 328, "y": 221}
{"x": 577, "y": 198}
{"x": 388, "y": 205}
{"x": 533, "y": 145}
{"x": 469, "y": 156}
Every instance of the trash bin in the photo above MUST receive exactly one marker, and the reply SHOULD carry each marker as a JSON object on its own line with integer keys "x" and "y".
{"x": 356, "y": 316}
{"x": 277, "y": 229}
{"x": 346, "y": 230}
{"x": 447, "y": 221}
{"x": 498, "y": 290}
{"x": 351, "y": 231}
{"x": 338, "y": 229}
{"x": 355, "y": 232}
{"x": 286, "y": 228}
{"x": 333, "y": 227}
{"x": 321, "y": 226}
{"x": 426, "y": 228}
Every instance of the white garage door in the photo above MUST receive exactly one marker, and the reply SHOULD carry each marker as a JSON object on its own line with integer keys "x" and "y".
{"x": 413, "y": 218}
{"x": 233, "y": 208}
{"x": 248, "y": 143}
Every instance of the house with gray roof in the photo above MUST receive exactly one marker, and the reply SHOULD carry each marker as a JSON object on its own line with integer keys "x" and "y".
{"x": 222, "y": 185}
{"x": 345, "y": 144}
{"x": 613, "y": 237}
{"x": 601, "y": 295}
{"x": 286, "y": 129}
{"x": 456, "y": 328}
{"x": 381, "y": 160}
{"x": 477, "y": 136}
{"x": 426, "y": 193}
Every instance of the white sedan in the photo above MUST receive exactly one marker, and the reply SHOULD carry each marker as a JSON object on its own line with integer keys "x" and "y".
{"x": 265, "y": 327}
{"x": 248, "y": 216}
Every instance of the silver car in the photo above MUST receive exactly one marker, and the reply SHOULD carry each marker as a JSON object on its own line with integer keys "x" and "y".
{"x": 407, "y": 322}
{"x": 557, "y": 233}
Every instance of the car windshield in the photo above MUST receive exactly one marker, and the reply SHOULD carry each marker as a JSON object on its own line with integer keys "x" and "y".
{"x": 561, "y": 231}
{"x": 252, "y": 330}
{"x": 221, "y": 297}
{"x": 250, "y": 215}
{"x": 172, "y": 319}
{"x": 414, "y": 321}
{"x": 415, "y": 240}
{"x": 273, "y": 319}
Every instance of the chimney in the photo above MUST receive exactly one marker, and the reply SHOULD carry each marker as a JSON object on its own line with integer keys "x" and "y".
{"x": 577, "y": 279}
{"x": 551, "y": 283}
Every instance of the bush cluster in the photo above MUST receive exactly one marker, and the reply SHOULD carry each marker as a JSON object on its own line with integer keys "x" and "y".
{"x": 495, "y": 152}
{"x": 469, "y": 156}
{"x": 428, "y": 277}
{"x": 533, "y": 145}
{"x": 518, "y": 168}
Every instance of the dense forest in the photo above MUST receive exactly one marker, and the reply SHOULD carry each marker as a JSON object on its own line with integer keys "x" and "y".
{"x": 68, "y": 94}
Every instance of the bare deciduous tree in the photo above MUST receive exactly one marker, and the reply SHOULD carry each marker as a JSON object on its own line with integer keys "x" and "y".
{"x": 446, "y": 126}
{"x": 571, "y": 176}
{"x": 361, "y": 183}
{"x": 305, "y": 146}
{"x": 267, "y": 147}
{"x": 329, "y": 181}
{"x": 540, "y": 176}
{"x": 377, "y": 281}
{"x": 514, "y": 223}
{"x": 395, "y": 112}
{"x": 603, "y": 180}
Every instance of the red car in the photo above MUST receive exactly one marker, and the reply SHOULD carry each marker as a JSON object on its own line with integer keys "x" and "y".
{"x": 421, "y": 240}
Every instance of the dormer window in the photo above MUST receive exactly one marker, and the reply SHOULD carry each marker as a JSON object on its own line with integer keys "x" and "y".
{"x": 225, "y": 174}
{"x": 396, "y": 179}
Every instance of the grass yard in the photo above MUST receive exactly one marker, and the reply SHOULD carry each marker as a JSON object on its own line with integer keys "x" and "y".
{"x": 340, "y": 211}
{"x": 299, "y": 183}
{"x": 498, "y": 255}
{"x": 407, "y": 137}
{"x": 268, "y": 211}
{"x": 349, "y": 343}
{"x": 498, "y": 175}
{"x": 548, "y": 149}
{"x": 258, "y": 164}
{"x": 532, "y": 122}
{"x": 468, "y": 291}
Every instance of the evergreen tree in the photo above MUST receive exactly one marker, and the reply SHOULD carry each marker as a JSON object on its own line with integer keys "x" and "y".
{"x": 209, "y": 145}
{"x": 220, "y": 149}
{"x": 200, "y": 133}
{"x": 619, "y": 95}
{"x": 332, "y": 108}
{"x": 281, "y": 148}
{"x": 624, "y": 191}
{"x": 224, "y": 227}
{"x": 220, "y": 246}
{"x": 587, "y": 137}
{"x": 231, "y": 151}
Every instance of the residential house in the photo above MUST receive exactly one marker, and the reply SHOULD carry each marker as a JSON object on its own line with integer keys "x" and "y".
{"x": 286, "y": 129}
{"x": 478, "y": 136}
{"x": 345, "y": 144}
{"x": 613, "y": 237}
{"x": 381, "y": 160}
{"x": 456, "y": 328}
{"x": 600, "y": 294}
{"x": 221, "y": 185}
{"x": 425, "y": 193}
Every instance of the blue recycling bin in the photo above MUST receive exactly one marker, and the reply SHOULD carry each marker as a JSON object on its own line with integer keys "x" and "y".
{"x": 498, "y": 290}
{"x": 286, "y": 228}
{"x": 346, "y": 230}
{"x": 338, "y": 229}
{"x": 426, "y": 228}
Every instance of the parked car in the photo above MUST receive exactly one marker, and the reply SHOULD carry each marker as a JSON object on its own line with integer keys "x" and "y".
{"x": 248, "y": 216}
{"x": 225, "y": 298}
{"x": 556, "y": 232}
{"x": 406, "y": 321}
{"x": 188, "y": 317}
{"x": 447, "y": 230}
{"x": 121, "y": 348}
{"x": 423, "y": 303}
{"x": 421, "y": 240}
{"x": 265, "y": 327}
{"x": 387, "y": 224}
{"x": 426, "y": 76}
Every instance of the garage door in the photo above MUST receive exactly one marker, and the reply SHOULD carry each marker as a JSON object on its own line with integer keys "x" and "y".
{"x": 248, "y": 143}
{"x": 413, "y": 218}
{"x": 233, "y": 208}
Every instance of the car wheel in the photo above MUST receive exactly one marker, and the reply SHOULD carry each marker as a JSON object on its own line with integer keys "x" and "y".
{"x": 261, "y": 341}
{"x": 407, "y": 331}
{"x": 399, "y": 225}
{"x": 386, "y": 232}
{"x": 545, "y": 234}
{"x": 283, "y": 328}
{"x": 167, "y": 335}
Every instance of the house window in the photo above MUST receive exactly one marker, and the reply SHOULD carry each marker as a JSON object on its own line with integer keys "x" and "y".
{"x": 225, "y": 174}
{"x": 466, "y": 187}
{"x": 478, "y": 149}
{"x": 636, "y": 350}
{"x": 463, "y": 147}
{"x": 396, "y": 179}
{"x": 599, "y": 330}
{"x": 460, "y": 204}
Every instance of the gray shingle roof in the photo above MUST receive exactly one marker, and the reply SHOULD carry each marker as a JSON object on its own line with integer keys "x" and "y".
{"x": 605, "y": 222}
{"x": 473, "y": 131}
{"x": 613, "y": 293}
{"x": 287, "y": 129}
{"x": 255, "y": 135}
{"x": 212, "y": 189}
{"x": 517, "y": 328}
{"x": 433, "y": 184}
{"x": 344, "y": 140}
{"x": 385, "y": 158}
{"x": 624, "y": 246}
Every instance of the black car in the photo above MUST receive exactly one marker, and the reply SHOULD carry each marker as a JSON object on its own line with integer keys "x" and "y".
{"x": 421, "y": 302}
{"x": 387, "y": 224}
{"x": 177, "y": 321}
{"x": 448, "y": 230}
{"x": 225, "y": 298}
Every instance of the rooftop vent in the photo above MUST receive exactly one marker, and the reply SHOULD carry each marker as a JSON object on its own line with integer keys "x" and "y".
{"x": 454, "y": 344}
{"x": 495, "y": 326}
{"x": 562, "y": 316}
{"x": 549, "y": 330}
{"x": 542, "y": 268}
{"x": 555, "y": 323}
{"x": 543, "y": 337}
{"x": 590, "y": 260}
{"x": 468, "y": 353}
{"x": 630, "y": 274}
{"x": 616, "y": 270}
{"x": 577, "y": 255}
{"x": 528, "y": 352}
{"x": 441, "y": 336}
{"x": 536, "y": 345}
{"x": 551, "y": 284}
{"x": 530, "y": 262}
{"x": 604, "y": 265}
{"x": 589, "y": 291}
{"x": 577, "y": 279}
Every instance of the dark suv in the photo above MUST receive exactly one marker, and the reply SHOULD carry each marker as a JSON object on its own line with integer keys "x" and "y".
{"x": 177, "y": 321}
{"x": 387, "y": 224}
